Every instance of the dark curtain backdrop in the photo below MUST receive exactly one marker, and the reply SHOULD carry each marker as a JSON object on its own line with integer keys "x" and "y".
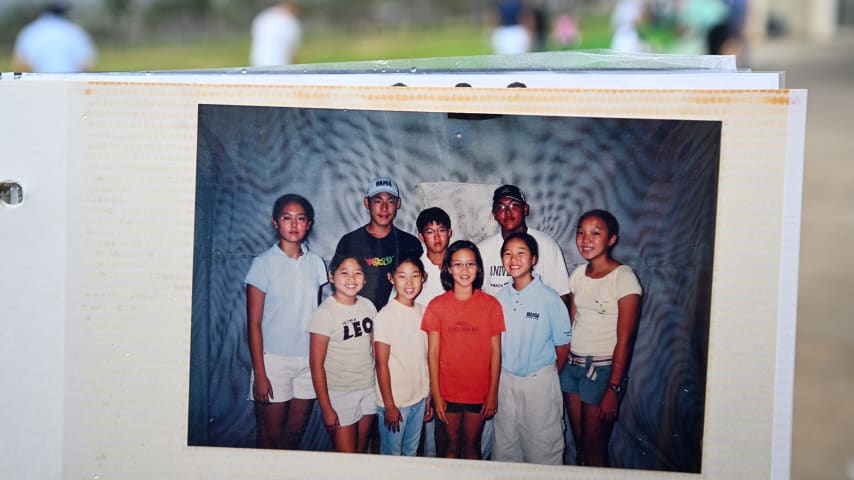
{"x": 659, "y": 177}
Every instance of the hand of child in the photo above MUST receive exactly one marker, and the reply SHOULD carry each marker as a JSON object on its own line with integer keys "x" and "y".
{"x": 330, "y": 419}
{"x": 262, "y": 390}
{"x": 608, "y": 406}
{"x": 392, "y": 418}
{"x": 439, "y": 406}
{"x": 428, "y": 410}
{"x": 490, "y": 406}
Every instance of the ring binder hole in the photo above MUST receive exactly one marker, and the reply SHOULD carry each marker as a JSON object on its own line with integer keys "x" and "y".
{"x": 11, "y": 193}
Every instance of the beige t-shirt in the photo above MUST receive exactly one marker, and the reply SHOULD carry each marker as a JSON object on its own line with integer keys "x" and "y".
{"x": 594, "y": 329}
{"x": 400, "y": 327}
{"x": 349, "y": 361}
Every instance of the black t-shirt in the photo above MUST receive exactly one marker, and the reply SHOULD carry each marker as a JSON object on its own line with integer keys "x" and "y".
{"x": 379, "y": 254}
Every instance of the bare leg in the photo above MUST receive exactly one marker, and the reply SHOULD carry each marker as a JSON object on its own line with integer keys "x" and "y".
{"x": 441, "y": 437}
{"x": 297, "y": 418}
{"x": 573, "y": 409}
{"x": 363, "y": 429}
{"x": 596, "y": 436}
{"x": 472, "y": 426}
{"x": 344, "y": 438}
{"x": 269, "y": 418}
{"x": 452, "y": 429}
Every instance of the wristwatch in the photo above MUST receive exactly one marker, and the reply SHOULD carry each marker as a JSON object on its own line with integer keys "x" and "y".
{"x": 616, "y": 387}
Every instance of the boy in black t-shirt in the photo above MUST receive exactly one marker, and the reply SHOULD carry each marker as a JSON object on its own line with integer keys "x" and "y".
{"x": 379, "y": 242}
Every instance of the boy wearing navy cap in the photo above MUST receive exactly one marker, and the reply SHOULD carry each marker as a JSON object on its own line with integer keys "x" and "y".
{"x": 379, "y": 242}
{"x": 510, "y": 209}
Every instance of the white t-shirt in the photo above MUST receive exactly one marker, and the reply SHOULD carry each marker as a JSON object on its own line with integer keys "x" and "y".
{"x": 276, "y": 35}
{"x": 349, "y": 361}
{"x": 594, "y": 329}
{"x": 54, "y": 44}
{"x": 399, "y": 326}
{"x": 550, "y": 263}
{"x": 290, "y": 287}
{"x": 432, "y": 288}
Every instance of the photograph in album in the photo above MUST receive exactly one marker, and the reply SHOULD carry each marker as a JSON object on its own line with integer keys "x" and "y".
{"x": 658, "y": 177}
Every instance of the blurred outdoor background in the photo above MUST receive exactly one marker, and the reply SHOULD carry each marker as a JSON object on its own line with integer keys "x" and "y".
{"x": 812, "y": 41}
{"x": 135, "y": 35}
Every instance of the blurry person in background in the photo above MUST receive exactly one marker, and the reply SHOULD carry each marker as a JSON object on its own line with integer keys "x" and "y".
{"x": 565, "y": 32}
{"x": 276, "y": 35}
{"x": 540, "y": 18}
{"x": 694, "y": 20}
{"x": 627, "y": 17}
{"x": 727, "y": 37}
{"x": 53, "y": 44}
{"x": 513, "y": 26}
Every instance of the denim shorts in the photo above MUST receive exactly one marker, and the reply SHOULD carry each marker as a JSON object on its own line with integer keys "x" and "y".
{"x": 586, "y": 381}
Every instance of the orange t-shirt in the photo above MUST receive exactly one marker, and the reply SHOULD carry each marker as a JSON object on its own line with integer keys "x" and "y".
{"x": 465, "y": 329}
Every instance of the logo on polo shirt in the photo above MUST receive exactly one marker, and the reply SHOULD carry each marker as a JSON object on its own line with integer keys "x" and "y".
{"x": 532, "y": 315}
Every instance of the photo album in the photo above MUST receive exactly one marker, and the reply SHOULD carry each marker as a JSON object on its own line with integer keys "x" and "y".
{"x": 209, "y": 271}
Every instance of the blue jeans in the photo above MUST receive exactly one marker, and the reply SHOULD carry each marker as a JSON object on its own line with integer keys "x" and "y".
{"x": 405, "y": 440}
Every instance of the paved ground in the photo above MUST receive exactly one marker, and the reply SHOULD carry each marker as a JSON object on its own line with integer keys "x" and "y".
{"x": 823, "y": 437}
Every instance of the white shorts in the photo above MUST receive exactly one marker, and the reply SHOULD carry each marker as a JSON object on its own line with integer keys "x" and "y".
{"x": 352, "y": 406}
{"x": 290, "y": 377}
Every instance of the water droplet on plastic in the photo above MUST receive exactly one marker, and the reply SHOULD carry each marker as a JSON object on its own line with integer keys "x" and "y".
{"x": 458, "y": 135}
{"x": 243, "y": 70}
{"x": 413, "y": 70}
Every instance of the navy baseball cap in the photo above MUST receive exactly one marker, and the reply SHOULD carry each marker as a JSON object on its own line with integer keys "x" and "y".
{"x": 508, "y": 191}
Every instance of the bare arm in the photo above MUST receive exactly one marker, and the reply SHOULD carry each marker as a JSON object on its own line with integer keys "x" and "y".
{"x": 439, "y": 404}
{"x": 318, "y": 346}
{"x": 562, "y": 352}
{"x": 490, "y": 404}
{"x": 628, "y": 308}
{"x": 262, "y": 391}
{"x": 382, "y": 352}
{"x": 567, "y": 300}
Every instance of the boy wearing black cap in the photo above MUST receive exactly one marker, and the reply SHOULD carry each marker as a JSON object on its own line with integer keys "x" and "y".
{"x": 379, "y": 242}
{"x": 510, "y": 209}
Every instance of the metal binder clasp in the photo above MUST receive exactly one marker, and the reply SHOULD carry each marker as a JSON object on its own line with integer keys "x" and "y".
{"x": 11, "y": 192}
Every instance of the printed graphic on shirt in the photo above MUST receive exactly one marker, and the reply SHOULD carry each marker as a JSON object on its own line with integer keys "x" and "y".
{"x": 532, "y": 315}
{"x": 354, "y": 328}
{"x": 380, "y": 261}
{"x": 463, "y": 327}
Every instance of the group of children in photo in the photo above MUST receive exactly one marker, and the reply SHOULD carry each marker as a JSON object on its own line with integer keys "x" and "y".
{"x": 458, "y": 350}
